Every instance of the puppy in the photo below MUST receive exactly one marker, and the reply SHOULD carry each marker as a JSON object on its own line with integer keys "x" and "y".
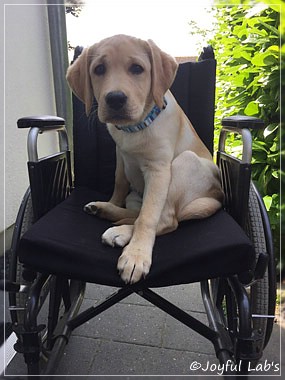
{"x": 164, "y": 173}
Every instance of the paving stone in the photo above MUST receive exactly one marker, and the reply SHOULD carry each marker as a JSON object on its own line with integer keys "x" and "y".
{"x": 126, "y": 323}
{"x": 116, "y": 358}
{"x": 273, "y": 351}
{"x": 178, "y": 336}
{"x": 98, "y": 292}
{"x": 78, "y": 356}
{"x": 135, "y": 338}
{"x": 187, "y": 297}
{"x": 17, "y": 367}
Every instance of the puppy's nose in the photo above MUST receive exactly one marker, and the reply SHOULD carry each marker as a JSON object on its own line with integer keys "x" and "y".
{"x": 116, "y": 100}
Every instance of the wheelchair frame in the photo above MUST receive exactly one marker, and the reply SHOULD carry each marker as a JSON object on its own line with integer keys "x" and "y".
{"x": 234, "y": 342}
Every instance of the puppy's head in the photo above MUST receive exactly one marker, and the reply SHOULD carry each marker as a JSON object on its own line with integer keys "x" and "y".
{"x": 125, "y": 74}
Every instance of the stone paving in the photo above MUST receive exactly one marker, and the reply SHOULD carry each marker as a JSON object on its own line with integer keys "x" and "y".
{"x": 134, "y": 338}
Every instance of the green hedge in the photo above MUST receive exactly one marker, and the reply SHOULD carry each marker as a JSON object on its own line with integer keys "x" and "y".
{"x": 248, "y": 50}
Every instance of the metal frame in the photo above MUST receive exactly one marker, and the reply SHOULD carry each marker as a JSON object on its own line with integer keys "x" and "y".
{"x": 232, "y": 344}
{"x": 246, "y": 140}
{"x": 30, "y": 334}
{"x": 33, "y": 139}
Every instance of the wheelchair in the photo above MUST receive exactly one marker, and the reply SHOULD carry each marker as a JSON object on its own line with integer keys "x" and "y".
{"x": 56, "y": 247}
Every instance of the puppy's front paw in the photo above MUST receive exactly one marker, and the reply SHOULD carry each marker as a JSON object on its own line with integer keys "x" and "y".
{"x": 134, "y": 263}
{"x": 118, "y": 236}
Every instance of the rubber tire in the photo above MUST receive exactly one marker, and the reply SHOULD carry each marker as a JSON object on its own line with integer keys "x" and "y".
{"x": 23, "y": 222}
{"x": 260, "y": 291}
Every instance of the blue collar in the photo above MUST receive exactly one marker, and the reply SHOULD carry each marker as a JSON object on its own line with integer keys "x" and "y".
{"x": 144, "y": 124}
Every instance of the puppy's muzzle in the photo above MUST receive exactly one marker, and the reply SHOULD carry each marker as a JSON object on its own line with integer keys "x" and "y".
{"x": 116, "y": 100}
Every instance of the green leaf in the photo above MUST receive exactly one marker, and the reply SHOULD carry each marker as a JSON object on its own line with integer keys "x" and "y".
{"x": 264, "y": 59}
{"x": 270, "y": 60}
{"x": 274, "y": 148}
{"x": 270, "y": 27}
{"x": 240, "y": 31}
{"x": 238, "y": 81}
{"x": 259, "y": 32}
{"x": 275, "y": 174}
{"x": 267, "y": 201}
{"x": 251, "y": 109}
{"x": 270, "y": 129}
{"x": 259, "y": 145}
{"x": 274, "y": 48}
{"x": 238, "y": 98}
{"x": 246, "y": 55}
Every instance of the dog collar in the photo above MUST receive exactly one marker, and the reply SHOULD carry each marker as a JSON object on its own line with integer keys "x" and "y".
{"x": 147, "y": 121}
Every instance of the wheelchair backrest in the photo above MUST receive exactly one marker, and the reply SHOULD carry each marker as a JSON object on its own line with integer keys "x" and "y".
{"x": 94, "y": 149}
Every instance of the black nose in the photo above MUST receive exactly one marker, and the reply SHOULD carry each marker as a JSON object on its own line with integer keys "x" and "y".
{"x": 116, "y": 100}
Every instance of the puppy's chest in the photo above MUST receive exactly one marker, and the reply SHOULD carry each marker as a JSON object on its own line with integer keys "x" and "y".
{"x": 133, "y": 171}
{"x": 132, "y": 144}
{"x": 138, "y": 151}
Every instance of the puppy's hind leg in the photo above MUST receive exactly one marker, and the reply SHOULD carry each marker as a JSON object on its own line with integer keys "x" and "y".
{"x": 109, "y": 211}
{"x": 199, "y": 208}
{"x": 133, "y": 204}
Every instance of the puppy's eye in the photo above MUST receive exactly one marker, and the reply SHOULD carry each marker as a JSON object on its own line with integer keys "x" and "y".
{"x": 100, "y": 69}
{"x": 136, "y": 69}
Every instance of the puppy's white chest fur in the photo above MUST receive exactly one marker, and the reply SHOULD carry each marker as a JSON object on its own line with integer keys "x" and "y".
{"x": 133, "y": 154}
{"x": 134, "y": 172}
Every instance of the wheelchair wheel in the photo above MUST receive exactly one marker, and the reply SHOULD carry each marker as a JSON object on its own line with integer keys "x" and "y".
{"x": 261, "y": 292}
{"x": 59, "y": 299}
{"x": 23, "y": 223}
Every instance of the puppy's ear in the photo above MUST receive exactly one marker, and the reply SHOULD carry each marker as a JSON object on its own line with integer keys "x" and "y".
{"x": 163, "y": 71}
{"x": 79, "y": 80}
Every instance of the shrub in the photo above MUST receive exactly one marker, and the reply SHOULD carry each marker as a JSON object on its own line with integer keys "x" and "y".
{"x": 246, "y": 41}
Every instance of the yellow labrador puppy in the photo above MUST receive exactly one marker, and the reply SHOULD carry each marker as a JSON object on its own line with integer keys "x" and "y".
{"x": 164, "y": 172}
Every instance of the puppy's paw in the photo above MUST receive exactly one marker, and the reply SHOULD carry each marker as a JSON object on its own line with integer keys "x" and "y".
{"x": 92, "y": 208}
{"x": 118, "y": 236}
{"x": 98, "y": 208}
{"x": 134, "y": 264}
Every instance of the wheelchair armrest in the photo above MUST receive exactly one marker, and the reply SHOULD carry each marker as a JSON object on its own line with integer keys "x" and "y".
{"x": 236, "y": 172}
{"x": 51, "y": 175}
{"x": 240, "y": 121}
{"x": 42, "y": 122}
{"x": 240, "y": 124}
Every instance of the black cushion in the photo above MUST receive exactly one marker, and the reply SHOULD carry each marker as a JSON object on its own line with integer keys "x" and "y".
{"x": 68, "y": 241}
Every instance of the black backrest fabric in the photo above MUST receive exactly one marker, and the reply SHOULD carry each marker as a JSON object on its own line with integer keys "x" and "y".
{"x": 194, "y": 90}
{"x": 94, "y": 149}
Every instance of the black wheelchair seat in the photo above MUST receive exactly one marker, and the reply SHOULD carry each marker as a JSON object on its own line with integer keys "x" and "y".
{"x": 67, "y": 241}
